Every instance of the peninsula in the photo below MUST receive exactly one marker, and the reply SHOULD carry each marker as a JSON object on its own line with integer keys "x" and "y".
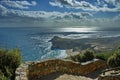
{"x": 96, "y": 44}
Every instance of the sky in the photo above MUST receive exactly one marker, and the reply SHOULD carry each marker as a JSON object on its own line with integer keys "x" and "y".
{"x": 60, "y": 13}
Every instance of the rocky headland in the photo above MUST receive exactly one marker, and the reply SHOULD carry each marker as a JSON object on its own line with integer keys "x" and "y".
{"x": 96, "y": 44}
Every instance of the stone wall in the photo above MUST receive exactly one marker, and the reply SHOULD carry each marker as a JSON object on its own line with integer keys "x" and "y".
{"x": 38, "y": 69}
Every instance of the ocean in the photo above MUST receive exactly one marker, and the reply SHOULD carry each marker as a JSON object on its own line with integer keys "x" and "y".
{"x": 35, "y": 44}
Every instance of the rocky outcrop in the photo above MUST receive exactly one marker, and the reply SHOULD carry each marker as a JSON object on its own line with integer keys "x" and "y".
{"x": 39, "y": 69}
{"x": 110, "y": 74}
{"x": 22, "y": 71}
{"x": 35, "y": 70}
{"x": 110, "y": 77}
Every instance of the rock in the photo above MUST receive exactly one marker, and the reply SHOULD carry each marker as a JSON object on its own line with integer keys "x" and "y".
{"x": 34, "y": 70}
{"x": 57, "y": 65}
{"x": 109, "y": 77}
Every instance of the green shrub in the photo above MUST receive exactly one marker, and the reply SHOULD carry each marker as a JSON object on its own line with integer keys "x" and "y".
{"x": 111, "y": 61}
{"x": 83, "y": 57}
{"x": 88, "y": 55}
{"x": 2, "y": 77}
{"x": 103, "y": 55}
{"x": 117, "y": 60}
{"x": 114, "y": 60}
{"x": 10, "y": 58}
{"x": 76, "y": 58}
{"x": 9, "y": 61}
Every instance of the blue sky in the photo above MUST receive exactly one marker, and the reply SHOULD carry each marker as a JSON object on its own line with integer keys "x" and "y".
{"x": 60, "y": 13}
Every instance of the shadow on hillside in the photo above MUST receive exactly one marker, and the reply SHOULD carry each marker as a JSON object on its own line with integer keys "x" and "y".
{"x": 51, "y": 76}
{"x": 95, "y": 74}
{"x": 55, "y": 75}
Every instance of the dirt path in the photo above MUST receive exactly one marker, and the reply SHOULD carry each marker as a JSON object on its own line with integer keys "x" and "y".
{"x": 63, "y": 76}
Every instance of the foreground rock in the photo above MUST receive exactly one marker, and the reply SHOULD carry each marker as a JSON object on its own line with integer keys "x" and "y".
{"x": 62, "y": 76}
{"x": 110, "y": 74}
{"x": 110, "y": 77}
{"x": 36, "y": 70}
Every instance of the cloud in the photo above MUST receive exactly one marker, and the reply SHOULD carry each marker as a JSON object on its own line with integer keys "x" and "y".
{"x": 24, "y": 17}
{"x": 73, "y": 4}
{"x": 112, "y": 1}
{"x": 18, "y": 18}
{"x": 44, "y": 15}
{"x": 3, "y": 10}
{"x": 18, "y": 4}
{"x": 98, "y": 5}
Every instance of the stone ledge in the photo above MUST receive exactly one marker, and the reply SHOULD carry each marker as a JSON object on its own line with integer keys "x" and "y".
{"x": 21, "y": 71}
{"x": 32, "y": 70}
{"x": 109, "y": 77}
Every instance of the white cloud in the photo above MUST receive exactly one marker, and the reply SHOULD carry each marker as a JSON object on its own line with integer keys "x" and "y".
{"x": 33, "y": 18}
{"x": 47, "y": 15}
{"x": 55, "y": 4}
{"x": 18, "y": 4}
{"x": 10, "y": 17}
{"x": 111, "y": 1}
{"x": 73, "y": 4}
{"x": 115, "y": 3}
{"x": 99, "y": 5}
{"x": 3, "y": 10}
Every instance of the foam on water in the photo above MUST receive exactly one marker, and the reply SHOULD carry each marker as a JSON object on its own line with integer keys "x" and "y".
{"x": 55, "y": 54}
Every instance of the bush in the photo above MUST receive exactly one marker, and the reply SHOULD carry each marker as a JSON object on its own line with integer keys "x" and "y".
{"x": 2, "y": 77}
{"x": 114, "y": 60}
{"x": 88, "y": 55}
{"x": 111, "y": 61}
{"x": 9, "y": 61}
{"x": 103, "y": 55}
{"x": 83, "y": 57}
{"x": 76, "y": 58}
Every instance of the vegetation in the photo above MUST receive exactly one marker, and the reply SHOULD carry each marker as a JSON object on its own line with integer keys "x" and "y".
{"x": 83, "y": 57}
{"x": 88, "y": 55}
{"x": 2, "y": 77}
{"x": 114, "y": 60}
{"x": 9, "y": 61}
{"x": 103, "y": 55}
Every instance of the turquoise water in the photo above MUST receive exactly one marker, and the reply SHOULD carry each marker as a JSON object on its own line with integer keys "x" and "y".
{"x": 34, "y": 42}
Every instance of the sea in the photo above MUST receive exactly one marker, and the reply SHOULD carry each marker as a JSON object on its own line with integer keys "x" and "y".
{"x": 34, "y": 43}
